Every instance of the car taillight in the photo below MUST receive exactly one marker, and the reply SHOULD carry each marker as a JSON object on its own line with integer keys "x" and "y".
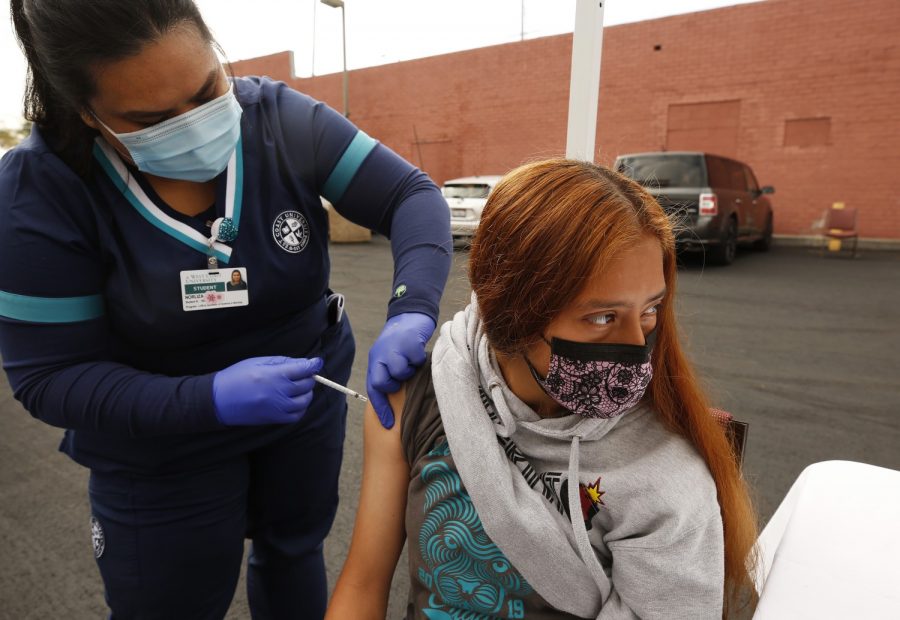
{"x": 709, "y": 205}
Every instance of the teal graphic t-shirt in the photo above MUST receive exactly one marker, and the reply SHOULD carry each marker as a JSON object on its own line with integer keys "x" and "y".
{"x": 456, "y": 571}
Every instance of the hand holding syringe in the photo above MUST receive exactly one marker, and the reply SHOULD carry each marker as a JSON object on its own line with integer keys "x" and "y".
{"x": 340, "y": 388}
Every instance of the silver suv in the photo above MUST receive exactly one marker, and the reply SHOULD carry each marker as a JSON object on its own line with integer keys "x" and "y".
{"x": 714, "y": 201}
{"x": 466, "y": 197}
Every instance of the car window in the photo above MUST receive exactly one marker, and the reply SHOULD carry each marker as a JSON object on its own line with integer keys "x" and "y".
{"x": 468, "y": 190}
{"x": 664, "y": 170}
{"x": 751, "y": 179}
{"x": 736, "y": 179}
{"x": 718, "y": 173}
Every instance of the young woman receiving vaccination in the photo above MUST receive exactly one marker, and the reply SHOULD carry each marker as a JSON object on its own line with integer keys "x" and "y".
{"x": 150, "y": 179}
{"x": 555, "y": 458}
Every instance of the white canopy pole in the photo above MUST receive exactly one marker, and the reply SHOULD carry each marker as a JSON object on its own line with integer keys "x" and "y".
{"x": 584, "y": 90}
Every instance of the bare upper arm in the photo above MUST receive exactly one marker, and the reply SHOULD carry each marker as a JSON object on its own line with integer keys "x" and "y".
{"x": 379, "y": 531}
{"x": 381, "y": 443}
{"x": 385, "y": 476}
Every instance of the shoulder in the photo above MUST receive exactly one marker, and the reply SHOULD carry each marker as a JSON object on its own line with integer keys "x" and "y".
{"x": 644, "y": 433}
{"x": 272, "y": 96}
{"x": 420, "y": 421}
{"x": 666, "y": 467}
{"x": 308, "y": 130}
{"x": 407, "y": 403}
{"x": 33, "y": 173}
{"x": 47, "y": 222}
{"x": 34, "y": 159}
{"x": 38, "y": 189}
{"x": 688, "y": 475}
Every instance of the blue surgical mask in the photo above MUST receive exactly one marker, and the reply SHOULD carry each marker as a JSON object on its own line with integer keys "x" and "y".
{"x": 194, "y": 146}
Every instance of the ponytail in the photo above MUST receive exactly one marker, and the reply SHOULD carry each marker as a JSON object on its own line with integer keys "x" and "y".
{"x": 59, "y": 121}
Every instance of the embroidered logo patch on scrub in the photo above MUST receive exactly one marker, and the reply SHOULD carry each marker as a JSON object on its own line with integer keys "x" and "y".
{"x": 291, "y": 231}
{"x": 97, "y": 538}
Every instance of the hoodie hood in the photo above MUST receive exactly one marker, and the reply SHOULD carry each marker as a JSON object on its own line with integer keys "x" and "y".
{"x": 514, "y": 415}
{"x": 485, "y": 423}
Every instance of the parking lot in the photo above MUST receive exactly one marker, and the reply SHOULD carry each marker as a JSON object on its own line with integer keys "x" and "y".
{"x": 803, "y": 347}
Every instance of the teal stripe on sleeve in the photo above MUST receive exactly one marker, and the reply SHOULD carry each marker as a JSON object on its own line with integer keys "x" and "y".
{"x": 50, "y": 309}
{"x": 346, "y": 168}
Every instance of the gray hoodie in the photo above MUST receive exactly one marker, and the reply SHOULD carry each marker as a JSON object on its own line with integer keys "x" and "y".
{"x": 649, "y": 543}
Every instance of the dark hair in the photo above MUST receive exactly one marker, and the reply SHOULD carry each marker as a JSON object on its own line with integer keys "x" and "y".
{"x": 64, "y": 40}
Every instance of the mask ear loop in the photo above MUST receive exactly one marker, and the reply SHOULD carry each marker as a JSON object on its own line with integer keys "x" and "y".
{"x": 534, "y": 373}
{"x": 541, "y": 381}
{"x": 130, "y": 159}
{"x": 105, "y": 126}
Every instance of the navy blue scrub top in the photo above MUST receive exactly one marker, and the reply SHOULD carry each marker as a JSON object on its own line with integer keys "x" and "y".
{"x": 92, "y": 330}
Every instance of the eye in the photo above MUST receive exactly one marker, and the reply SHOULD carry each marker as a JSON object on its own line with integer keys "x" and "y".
{"x": 652, "y": 310}
{"x": 210, "y": 92}
{"x": 602, "y": 319}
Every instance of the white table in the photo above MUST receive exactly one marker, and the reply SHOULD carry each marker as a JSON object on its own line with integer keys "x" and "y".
{"x": 832, "y": 549}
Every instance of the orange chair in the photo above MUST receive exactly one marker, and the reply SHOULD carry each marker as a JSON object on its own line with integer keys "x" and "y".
{"x": 840, "y": 224}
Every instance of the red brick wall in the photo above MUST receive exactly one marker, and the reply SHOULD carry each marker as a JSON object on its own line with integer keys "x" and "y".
{"x": 484, "y": 111}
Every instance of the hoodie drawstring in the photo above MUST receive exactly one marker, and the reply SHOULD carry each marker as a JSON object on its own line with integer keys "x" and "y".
{"x": 585, "y": 550}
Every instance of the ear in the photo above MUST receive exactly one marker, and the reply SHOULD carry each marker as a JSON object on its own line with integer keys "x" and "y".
{"x": 88, "y": 119}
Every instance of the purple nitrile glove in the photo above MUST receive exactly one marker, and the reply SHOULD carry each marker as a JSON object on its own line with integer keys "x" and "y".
{"x": 394, "y": 357}
{"x": 265, "y": 390}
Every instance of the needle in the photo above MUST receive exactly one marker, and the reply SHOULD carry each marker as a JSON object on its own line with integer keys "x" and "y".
{"x": 340, "y": 388}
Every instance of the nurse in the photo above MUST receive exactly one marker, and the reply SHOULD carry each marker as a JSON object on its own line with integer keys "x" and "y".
{"x": 149, "y": 179}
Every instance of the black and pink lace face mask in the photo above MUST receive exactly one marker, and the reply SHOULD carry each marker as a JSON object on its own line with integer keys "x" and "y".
{"x": 597, "y": 380}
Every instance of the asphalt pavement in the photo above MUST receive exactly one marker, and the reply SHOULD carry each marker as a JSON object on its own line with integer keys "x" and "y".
{"x": 803, "y": 347}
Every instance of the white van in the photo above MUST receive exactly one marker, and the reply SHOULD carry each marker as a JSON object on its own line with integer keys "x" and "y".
{"x": 466, "y": 197}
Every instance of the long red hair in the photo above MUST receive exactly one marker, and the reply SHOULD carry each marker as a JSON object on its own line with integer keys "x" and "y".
{"x": 546, "y": 228}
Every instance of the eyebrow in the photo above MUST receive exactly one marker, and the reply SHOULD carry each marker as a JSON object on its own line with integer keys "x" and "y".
{"x": 203, "y": 90}
{"x": 592, "y": 304}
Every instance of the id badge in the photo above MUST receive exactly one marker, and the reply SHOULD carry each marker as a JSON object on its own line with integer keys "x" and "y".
{"x": 211, "y": 289}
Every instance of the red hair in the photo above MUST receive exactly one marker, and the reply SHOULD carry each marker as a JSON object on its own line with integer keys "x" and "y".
{"x": 546, "y": 228}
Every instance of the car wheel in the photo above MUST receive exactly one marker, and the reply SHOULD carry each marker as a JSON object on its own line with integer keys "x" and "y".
{"x": 724, "y": 253}
{"x": 763, "y": 244}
